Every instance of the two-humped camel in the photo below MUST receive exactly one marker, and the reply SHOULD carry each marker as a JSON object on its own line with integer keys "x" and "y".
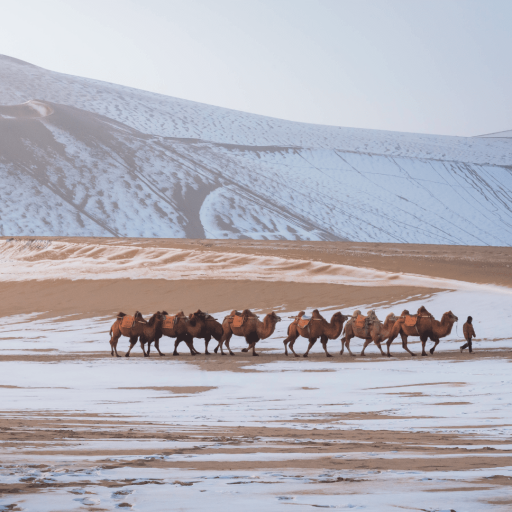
{"x": 316, "y": 327}
{"x": 151, "y": 332}
{"x": 372, "y": 329}
{"x": 248, "y": 325}
{"x": 202, "y": 325}
{"x": 424, "y": 325}
{"x": 131, "y": 327}
{"x": 175, "y": 326}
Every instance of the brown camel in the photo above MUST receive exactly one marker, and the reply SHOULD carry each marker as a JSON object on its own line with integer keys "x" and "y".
{"x": 423, "y": 325}
{"x": 317, "y": 327}
{"x": 151, "y": 331}
{"x": 248, "y": 325}
{"x": 132, "y": 327}
{"x": 202, "y": 325}
{"x": 175, "y": 327}
{"x": 373, "y": 330}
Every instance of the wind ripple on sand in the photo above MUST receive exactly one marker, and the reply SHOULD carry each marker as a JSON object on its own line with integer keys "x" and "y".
{"x": 44, "y": 260}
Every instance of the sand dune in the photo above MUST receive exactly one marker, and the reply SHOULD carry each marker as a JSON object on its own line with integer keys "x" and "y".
{"x": 114, "y": 161}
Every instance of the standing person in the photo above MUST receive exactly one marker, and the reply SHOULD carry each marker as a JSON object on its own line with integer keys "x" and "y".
{"x": 469, "y": 333}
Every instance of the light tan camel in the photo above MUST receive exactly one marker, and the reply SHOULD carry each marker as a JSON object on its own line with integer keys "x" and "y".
{"x": 175, "y": 327}
{"x": 318, "y": 327}
{"x": 373, "y": 330}
{"x": 151, "y": 331}
{"x": 131, "y": 327}
{"x": 202, "y": 325}
{"x": 251, "y": 328}
{"x": 426, "y": 326}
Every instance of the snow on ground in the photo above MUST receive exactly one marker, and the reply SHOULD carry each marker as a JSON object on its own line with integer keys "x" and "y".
{"x": 407, "y": 394}
{"x": 111, "y": 160}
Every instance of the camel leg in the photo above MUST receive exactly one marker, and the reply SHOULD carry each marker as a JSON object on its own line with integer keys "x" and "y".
{"x": 423, "y": 343}
{"x": 312, "y": 341}
{"x": 366, "y": 343}
{"x": 142, "y": 345}
{"x": 404, "y": 344}
{"x": 231, "y": 353}
{"x": 177, "y": 341}
{"x": 190, "y": 344}
{"x": 289, "y": 342}
{"x": 206, "y": 341}
{"x": 377, "y": 342}
{"x": 252, "y": 345}
{"x": 347, "y": 345}
{"x": 388, "y": 344}
{"x": 133, "y": 341}
{"x": 324, "y": 340}
{"x": 149, "y": 347}
{"x": 436, "y": 342}
{"x": 113, "y": 345}
{"x": 157, "y": 346}
{"x": 285, "y": 343}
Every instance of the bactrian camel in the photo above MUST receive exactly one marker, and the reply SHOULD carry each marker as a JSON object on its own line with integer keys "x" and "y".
{"x": 202, "y": 325}
{"x": 426, "y": 327}
{"x": 317, "y": 327}
{"x": 133, "y": 331}
{"x": 175, "y": 327}
{"x": 373, "y": 330}
{"x": 251, "y": 328}
{"x": 151, "y": 332}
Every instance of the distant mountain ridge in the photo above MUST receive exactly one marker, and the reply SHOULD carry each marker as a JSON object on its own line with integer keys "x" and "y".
{"x": 88, "y": 158}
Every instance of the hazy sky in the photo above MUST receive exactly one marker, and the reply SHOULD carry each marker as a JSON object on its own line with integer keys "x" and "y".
{"x": 431, "y": 66}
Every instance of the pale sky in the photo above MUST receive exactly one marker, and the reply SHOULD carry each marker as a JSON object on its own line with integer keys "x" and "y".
{"x": 428, "y": 66}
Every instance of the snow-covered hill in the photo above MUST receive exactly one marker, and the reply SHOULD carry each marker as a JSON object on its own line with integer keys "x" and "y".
{"x": 83, "y": 157}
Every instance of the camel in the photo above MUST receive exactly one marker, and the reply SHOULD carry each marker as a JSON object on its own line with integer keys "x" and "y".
{"x": 133, "y": 332}
{"x": 426, "y": 327}
{"x": 318, "y": 327}
{"x": 250, "y": 327}
{"x": 374, "y": 330}
{"x": 203, "y": 325}
{"x": 178, "y": 330}
{"x": 151, "y": 331}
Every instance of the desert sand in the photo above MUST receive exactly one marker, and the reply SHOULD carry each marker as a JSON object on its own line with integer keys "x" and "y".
{"x": 81, "y": 430}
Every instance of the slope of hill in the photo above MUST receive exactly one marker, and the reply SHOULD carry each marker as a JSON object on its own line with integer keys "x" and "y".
{"x": 83, "y": 157}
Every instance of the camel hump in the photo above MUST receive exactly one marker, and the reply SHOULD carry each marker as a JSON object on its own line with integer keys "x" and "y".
{"x": 372, "y": 316}
{"x": 247, "y": 312}
{"x": 405, "y": 312}
{"x": 423, "y": 311}
{"x": 121, "y": 314}
{"x": 316, "y": 314}
{"x": 356, "y": 313}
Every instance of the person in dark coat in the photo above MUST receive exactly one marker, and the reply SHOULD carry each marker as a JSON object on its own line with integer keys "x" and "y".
{"x": 469, "y": 333}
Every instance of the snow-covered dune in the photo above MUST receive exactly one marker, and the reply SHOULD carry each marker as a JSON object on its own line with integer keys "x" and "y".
{"x": 84, "y": 157}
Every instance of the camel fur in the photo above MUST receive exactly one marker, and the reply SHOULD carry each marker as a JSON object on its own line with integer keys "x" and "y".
{"x": 179, "y": 331}
{"x": 134, "y": 332}
{"x": 151, "y": 331}
{"x": 318, "y": 327}
{"x": 252, "y": 329}
{"x": 202, "y": 325}
{"x": 426, "y": 327}
{"x": 376, "y": 331}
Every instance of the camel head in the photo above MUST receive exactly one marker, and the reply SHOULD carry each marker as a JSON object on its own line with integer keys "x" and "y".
{"x": 274, "y": 317}
{"x": 157, "y": 317}
{"x": 450, "y": 317}
{"x": 339, "y": 317}
{"x": 391, "y": 318}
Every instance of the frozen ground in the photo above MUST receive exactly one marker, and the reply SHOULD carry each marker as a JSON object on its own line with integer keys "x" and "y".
{"x": 87, "y": 158}
{"x": 84, "y": 431}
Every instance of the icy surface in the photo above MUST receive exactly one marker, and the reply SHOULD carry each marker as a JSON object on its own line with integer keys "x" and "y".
{"x": 110, "y": 160}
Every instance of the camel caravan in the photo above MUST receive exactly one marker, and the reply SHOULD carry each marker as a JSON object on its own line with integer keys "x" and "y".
{"x": 247, "y": 325}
